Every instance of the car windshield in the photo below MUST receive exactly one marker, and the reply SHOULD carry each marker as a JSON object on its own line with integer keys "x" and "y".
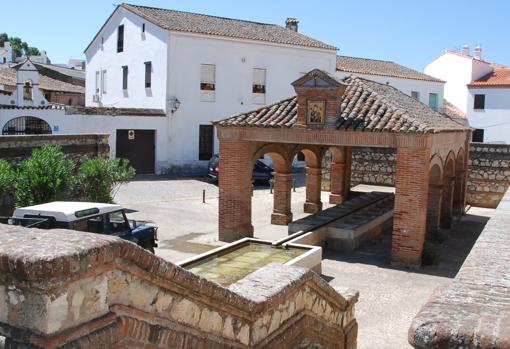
{"x": 117, "y": 222}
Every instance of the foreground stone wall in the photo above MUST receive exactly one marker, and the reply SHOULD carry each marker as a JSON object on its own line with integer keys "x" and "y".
{"x": 473, "y": 311}
{"x": 63, "y": 289}
{"x": 488, "y": 171}
{"x": 16, "y": 148}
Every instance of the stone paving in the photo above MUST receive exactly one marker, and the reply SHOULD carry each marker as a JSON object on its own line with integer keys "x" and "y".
{"x": 389, "y": 297}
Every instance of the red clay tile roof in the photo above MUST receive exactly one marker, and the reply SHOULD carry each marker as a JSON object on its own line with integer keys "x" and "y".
{"x": 114, "y": 111}
{"x": 377, "y": 67}
{"x": 219, "y": 26}
{"x": 8, "y": 78}
{"x": 500, "y": 77}
{"x": 366, "y": 106}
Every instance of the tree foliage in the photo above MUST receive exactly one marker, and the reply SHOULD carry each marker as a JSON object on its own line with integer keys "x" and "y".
{"x": 43, "y": 177}
{"x": 100, "y": 178}
{"x": 19, "y": 46}
{"x": 7, "y": 177}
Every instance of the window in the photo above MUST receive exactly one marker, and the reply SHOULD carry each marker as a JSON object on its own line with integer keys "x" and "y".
{"x": 26, "y": 125}
{"x": 125, "y": 78}
{"x": 206, "y": 142}
{"x": 148, "y": 73}
{"x": 433, "y": 100}
{"x": 92, "y": 225}
{"x": 103, "y": 82}
{"x": 120, "y": 38}
{"x": 259, "y": 81}
{"x": 143, "y": 27}
{"x": 479, "y": 102}
{"x": 415, "y": 95}
{"x": 27, "y": 90}
{"x": 477, "y": 135}
{"x": 208, "y": 77}
{"x": 97, "y": 82}
{"x": 117, "y": 223}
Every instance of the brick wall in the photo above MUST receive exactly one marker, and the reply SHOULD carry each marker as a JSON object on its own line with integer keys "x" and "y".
{"x": 473, "y": 310}
{"x": 78, "y": 290}
{"x": 488, "y": 171}
{"x": 16, "y": 148}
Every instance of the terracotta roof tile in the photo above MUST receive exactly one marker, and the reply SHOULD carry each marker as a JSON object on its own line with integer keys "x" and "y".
{"x": 114, "y": 111}
{"x": 452, "y": 111}
{"x": 366, "y": 106}
{"x": 499, "y": 77}
{"x": 377, "y": 67}
{"x": 211, "y": 25}
{"x": 8, "y": 78}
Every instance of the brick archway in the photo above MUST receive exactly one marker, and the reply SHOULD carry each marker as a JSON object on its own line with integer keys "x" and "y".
{"x": 313, "y": 158}
{"x": 435, "y": 196}
{"x": 448, "y": 189}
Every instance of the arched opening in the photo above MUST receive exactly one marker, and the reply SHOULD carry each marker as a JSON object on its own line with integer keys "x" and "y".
{"x": 282, "y": 179}
{"x": 435, "y": 197}
{"x": 312, "y": 157}
{"x": 448, "y": 186}
{"x": 27, "y": 90}
{"x": 337, "y": 162}
{"x": 26, "y": 125}
{"x": 460, "y": 184}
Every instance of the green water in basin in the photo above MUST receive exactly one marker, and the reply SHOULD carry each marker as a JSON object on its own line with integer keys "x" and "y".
{"x": 227, "y": 267}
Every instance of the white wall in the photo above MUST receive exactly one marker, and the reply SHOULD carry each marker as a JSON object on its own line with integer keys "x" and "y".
{"x": 80, "y": 124}
{"x": 234, "y": 60}
{"x": 138, "y": 49}
{"x": 404, "y": 85}
{"x": 457, "y": 72}
{"x": 495, "y": 118}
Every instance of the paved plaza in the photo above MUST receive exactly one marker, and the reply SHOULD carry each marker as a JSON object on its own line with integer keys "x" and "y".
{"x": 389, "y": 297}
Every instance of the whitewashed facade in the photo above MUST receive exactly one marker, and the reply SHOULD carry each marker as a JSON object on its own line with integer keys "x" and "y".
{"x": 462, "y": 71}
{"x": 176, "y": 62}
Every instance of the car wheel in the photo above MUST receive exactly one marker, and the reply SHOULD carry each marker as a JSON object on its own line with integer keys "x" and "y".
{"x": 148, "y": 245}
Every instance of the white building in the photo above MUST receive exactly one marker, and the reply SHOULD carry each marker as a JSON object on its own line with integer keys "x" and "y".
{"x": 478, "y": 88}
{"x": 196, "y": 69}
{"x": 6, "y": 54}
{"x": 425, "y": 88}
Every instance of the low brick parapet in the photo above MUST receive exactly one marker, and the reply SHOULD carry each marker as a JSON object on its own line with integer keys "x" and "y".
{"x": 63, "y": 289}
{"x": 473, "y": 311}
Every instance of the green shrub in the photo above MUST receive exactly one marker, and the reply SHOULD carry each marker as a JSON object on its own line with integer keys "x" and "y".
{"x": 7, "y": 177}
{"x": 99, "y": 178}
{"x": 43, "y": 177}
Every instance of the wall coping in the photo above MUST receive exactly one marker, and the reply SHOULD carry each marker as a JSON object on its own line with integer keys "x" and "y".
{"x": 51, "y": 258}
{"x": 473, "y": 311}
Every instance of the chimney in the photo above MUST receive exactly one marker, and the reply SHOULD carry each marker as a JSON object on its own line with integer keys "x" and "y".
{"x": 478, "y": 52}
{"x": 292, "y": 24}
{"x": 465, "y": 50}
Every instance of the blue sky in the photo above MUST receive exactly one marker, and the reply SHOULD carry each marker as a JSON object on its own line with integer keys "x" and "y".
{"x": 406, "y": 31}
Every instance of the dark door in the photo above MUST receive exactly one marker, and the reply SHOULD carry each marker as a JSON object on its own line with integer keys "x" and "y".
{"x": 138, "y": 146}
{"x": 205, "y": 142}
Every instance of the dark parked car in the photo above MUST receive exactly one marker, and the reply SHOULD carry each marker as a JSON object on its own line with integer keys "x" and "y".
{"x": 261, "y": 172}
{"x": 89, "y": 217}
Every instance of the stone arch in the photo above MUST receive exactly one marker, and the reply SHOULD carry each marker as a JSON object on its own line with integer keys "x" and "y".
{"x": 435, "y": 196}
{"x": 460, "y": 183}
{"x": 313, "y": 155}
{"x": 448, "y": 186}
{"x": 282, "y": 161}
{"x": 26, "y": 125}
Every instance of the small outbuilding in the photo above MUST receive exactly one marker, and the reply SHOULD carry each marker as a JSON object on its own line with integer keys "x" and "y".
{"x": 334, "y": 115}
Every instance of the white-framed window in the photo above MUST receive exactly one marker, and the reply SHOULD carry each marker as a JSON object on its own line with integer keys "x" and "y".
{"x": 207, "y": 82}
{"x": 259, "y": 80}
{"x": 104, "y": 79}
{"x": 148, "y": 74}
{"x": 98, "y": 78}
{"x": 415, "y": 95}
{"x": 208, "y": 77}
{"x": 433, "y": 100}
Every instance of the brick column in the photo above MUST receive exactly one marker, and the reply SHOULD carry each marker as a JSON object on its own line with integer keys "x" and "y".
{"x": 235, "y": 187}
{"x": 411, "y": 201}
{"x": 434, "y": 209}
{"x": 447, "y": 203}
{"x": 313, "y": 202}
{"x": 282, "y": 214}
{"x": 341, "y": 177}
{"x": 459, "y": 204}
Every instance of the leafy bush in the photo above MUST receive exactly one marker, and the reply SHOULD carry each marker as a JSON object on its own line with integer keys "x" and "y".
{"x": 7, "y": 177}
{"x": 100, "y": 178}
{"x": 43, "y": 177}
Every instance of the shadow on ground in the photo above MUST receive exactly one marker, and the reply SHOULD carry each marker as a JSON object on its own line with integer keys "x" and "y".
{"x": 450, "y": 253}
